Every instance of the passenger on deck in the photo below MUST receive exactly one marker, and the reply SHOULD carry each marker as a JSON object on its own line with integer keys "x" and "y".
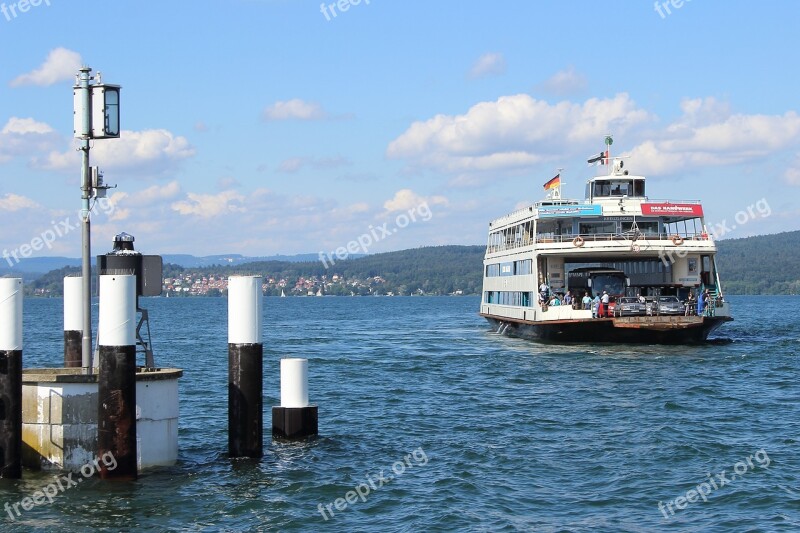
{"x": 586, "y": 301}
{"x": 701, "y": 303}
{"x": 596, "y": 306}
{"x": 604, "y": 304}
{"x": 690, "y": 304}
{"x": 554, "y": 300}
{"x": 568, "y": 298}
{"x": 544, "y": 293}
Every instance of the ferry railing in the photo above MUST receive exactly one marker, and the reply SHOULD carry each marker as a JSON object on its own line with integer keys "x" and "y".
{"x": 595, "y": 237}
{"x": 672, "y": 201}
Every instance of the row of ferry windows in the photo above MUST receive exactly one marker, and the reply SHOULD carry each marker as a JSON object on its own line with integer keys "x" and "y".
{"x": 615, "y": 188}
{"x": 521, "y": 235}
{"x": 520, "y": 299}
{"x": 517, "y": 268}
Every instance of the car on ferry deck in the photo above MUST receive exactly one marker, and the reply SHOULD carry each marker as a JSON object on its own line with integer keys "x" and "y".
{"x": 628, "y": 306}
{"x": 665, "y": 305}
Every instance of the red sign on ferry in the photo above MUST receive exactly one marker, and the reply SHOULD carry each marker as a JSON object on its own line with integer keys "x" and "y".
{"x": 672, "y": 209}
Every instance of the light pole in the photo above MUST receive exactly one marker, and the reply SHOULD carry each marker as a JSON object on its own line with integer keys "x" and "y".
{"x": 96, "y": 116}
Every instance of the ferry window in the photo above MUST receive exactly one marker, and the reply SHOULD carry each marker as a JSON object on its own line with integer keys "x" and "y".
{"x": 620, "y": 188}
{"x": 523, "y": 267}
{"x": 598, "y": 227}
{"x": 602, "y": 188}
{"x": 650, "y": 228}
{"x": 638, "y": 187}
{"x": 506, "y": 269}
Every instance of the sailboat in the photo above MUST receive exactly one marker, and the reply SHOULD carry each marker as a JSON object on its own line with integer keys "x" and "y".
{"x": 283, "y": 294}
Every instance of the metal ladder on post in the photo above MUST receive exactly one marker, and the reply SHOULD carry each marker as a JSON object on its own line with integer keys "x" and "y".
{"x": 145, "y": 345}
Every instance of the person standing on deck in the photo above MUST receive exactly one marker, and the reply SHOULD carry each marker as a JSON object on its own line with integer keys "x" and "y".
{"x": 701, "y": 303}
{"x": 709, "y": 303}
{"x": 587, "y": 301}
{"x": 596, "y": 306}
{"x": 603, "y": 304}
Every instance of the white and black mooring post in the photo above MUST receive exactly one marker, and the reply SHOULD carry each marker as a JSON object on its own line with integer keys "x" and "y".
{"x": 245, "y": 367}
{"x": 11, "y": 378}
{"x": 73, "y": 321}
{"x": 294, "y": 418}
{"x": 116, "y": 402}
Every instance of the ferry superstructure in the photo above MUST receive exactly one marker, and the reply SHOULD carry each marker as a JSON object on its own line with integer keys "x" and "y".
{"x": 616, "y": 240}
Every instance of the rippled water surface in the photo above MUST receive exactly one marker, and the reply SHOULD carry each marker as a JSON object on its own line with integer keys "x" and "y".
{"x": 467, "y": 430}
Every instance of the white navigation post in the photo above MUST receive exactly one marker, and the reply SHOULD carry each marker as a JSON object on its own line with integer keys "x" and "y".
{"x": 96, "y": 116}
{"x": 294, "y": 418}
{"x": 73, "y": 321}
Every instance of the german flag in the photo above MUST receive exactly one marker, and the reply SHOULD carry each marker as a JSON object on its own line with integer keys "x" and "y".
{"x": 553, "y": 183}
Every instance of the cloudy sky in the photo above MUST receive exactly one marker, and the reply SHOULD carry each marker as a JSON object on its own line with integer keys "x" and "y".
{"x": 265, "y": 127}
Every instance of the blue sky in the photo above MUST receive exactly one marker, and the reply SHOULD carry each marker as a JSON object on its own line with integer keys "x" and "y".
{"x": 264, "y": 126}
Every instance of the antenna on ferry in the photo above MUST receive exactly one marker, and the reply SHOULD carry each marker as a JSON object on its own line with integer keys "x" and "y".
{"x": 609, "y": 142}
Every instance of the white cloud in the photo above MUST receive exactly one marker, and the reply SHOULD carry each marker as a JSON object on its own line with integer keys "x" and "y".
{"x": 61, "y": 65}
{"x": 489, "y": 64}
{"x": 25, "y": 125}
{"x": 513, "y": 132}
{"x": 564, "y": 82}
{"x": 148, "y": 152}
{"x": 708, "y": 134}
{"x": 210, "y": 205}
{"x": 294, "y": 109}
{"x": 406, "y": 199}
{"x": 15, "y": 202}
{"x": 25, "y": 136}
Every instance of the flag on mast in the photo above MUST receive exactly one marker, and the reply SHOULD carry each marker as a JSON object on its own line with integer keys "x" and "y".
{"x": 553, "y": 183}
{"x": 600, "y": 159}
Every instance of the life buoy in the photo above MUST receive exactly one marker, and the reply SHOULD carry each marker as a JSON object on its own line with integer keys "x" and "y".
{"x": 677, "y": 240}
{"x": 635, "y": 248}
{"x": 578, "y": 241}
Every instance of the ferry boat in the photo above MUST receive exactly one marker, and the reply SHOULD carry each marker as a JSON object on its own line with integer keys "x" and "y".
{"x": 650, "y": 259}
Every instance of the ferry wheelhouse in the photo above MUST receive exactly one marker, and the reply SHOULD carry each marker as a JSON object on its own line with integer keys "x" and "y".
{"x": 646, "y": 252}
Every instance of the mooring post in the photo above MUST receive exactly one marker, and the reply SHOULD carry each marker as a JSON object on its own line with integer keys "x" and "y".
{"x": 294, "y": 418}
{"x": 73, "y": 321}
{"x": 11, "y": 378}
{"x": 116, "y": 402}
{"x": 245, "y": 367}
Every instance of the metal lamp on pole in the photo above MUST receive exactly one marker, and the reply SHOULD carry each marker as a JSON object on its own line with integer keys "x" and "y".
{"x": 96, "y": 116}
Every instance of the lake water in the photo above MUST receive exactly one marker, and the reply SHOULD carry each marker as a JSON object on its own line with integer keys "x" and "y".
{"x": 453, "y": 428}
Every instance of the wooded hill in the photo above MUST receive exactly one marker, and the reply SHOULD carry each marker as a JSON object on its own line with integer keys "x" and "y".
{"x": 766, "y": 264}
